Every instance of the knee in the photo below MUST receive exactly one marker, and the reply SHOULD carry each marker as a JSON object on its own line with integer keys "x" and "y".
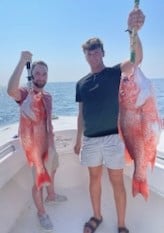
{"x": 95, "y": 178}
{"x": 117, "y": 181}
{"x": 118, "y": 186}
{"x": 53, "y": 173}
{"x": 34, "y": 188}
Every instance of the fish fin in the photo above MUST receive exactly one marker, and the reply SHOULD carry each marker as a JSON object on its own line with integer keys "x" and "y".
{"x": 140, "y": 187}
{"x": 128, "y": 158}
{"x": 42, "y": 179}
{"x": 29, "y": 159}
{"x": 45, "y": 156}
{"x": 152, "y": 162}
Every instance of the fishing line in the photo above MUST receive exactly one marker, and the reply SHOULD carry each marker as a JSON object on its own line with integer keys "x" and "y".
{"x": 134, "y": 36}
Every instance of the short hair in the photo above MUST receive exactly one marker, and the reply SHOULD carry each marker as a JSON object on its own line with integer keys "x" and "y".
{"x": 93, "y": 43}
{"x": 42, "y": 63}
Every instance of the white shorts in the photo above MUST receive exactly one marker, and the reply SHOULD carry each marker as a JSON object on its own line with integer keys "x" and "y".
{"x": 105, "y": 150}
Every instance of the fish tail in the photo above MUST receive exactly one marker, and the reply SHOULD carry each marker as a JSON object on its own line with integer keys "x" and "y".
{"x": 140, "y": 187}
{"x": 42, "y": 179}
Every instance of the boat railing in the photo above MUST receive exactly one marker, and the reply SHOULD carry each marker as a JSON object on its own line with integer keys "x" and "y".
{"x": 160, "y": 156}
{"x": 14, "y": 177}
{"x": 6, "y": 150}
{"x": 12, "y": 159}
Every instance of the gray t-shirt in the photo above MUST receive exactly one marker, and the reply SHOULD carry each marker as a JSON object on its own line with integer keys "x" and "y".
{"x": 99, "y": 95}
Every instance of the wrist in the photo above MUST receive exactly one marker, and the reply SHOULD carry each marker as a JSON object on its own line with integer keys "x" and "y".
{"x": 22, "y": 62}
{"x": 129, "y": 31}
{"x": 132, "y": 33}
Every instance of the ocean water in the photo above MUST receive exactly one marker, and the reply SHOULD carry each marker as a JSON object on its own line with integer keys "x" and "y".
{"x": 64, "y": 104}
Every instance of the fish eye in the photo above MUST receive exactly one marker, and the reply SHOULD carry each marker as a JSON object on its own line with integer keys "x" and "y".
{"x": 125, "y": 79}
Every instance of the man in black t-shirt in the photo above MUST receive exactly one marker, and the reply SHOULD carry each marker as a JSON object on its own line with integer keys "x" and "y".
{"x": 97, "y": 94}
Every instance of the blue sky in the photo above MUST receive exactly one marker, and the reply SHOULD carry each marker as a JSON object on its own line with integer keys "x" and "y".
{"x": 53, "y": 30}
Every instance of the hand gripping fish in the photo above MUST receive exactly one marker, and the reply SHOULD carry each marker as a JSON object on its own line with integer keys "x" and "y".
{"x": 33, "y": 136}
{"x": 139, "y": 126}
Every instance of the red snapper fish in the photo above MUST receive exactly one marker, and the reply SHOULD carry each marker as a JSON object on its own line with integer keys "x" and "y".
{"x": 139, "y": 126}
{"x": 33, "y": 134}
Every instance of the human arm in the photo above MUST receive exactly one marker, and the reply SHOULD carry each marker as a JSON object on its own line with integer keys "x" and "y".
{"x": 79, "y": 129}
{"x": 135, "y": 21}
{"x": 13, "y": 84}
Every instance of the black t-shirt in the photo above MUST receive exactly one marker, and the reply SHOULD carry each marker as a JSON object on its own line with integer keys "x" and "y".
{"x": 99, "y": 95}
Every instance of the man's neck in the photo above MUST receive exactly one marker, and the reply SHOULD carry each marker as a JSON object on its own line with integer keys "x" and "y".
{"x": 97, "y": 69}
{"x": 37, "y": 89}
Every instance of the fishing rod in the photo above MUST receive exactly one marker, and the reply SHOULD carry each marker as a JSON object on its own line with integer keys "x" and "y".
{"x": 29, "y": 76}
{"x": 134, "y": 36}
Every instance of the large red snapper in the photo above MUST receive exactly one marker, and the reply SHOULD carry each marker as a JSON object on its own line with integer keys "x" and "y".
{"x": 139, "y": 126}
{"x": 33, "y": 134}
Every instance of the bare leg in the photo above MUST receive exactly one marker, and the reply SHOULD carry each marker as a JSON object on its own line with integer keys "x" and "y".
{"x": 95, "y": 174}
{"x": 50, "y": 188}
{"x": 52, "y": 196}
{"x": 38, "y": 199}
{"x": 43, "y": 218}
{"x": 116, "y": 178}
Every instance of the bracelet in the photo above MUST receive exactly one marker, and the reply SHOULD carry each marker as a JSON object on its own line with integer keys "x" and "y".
{"x": 128, "y": 30}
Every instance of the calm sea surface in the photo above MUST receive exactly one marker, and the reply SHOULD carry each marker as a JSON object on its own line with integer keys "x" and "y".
{"x": 63, "y": 94}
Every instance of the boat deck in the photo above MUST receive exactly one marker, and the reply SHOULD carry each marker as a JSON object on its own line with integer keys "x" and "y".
{"x": 72, "y": 181}
{"x": 69, "y": 216}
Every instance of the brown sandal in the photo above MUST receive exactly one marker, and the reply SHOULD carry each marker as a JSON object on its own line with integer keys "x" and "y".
{"x": 123, "y": 230}
{"x": 92, "y": 225}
